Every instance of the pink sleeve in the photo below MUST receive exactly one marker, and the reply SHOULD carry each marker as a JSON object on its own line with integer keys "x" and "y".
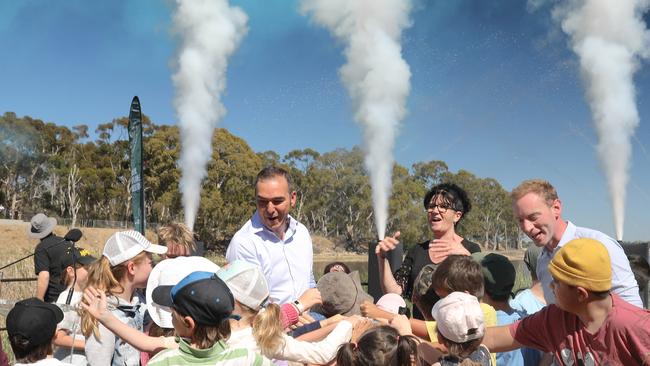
{"x": 289, "y": 315}
{"x": 4, "y": 360}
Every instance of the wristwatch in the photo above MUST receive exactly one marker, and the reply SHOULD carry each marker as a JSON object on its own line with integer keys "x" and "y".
{"x": 299, "y": 306}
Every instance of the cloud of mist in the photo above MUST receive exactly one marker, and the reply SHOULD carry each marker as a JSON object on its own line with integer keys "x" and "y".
{"x": 210, "y": 31}
{"x": 609, "y": 38}
{"x": 376, "y": 77}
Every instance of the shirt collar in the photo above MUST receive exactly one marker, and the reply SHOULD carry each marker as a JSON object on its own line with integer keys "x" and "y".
{"x": 568, "y": 235}
{"x": 186, "y": 348}
{"x": 258, "y": 226}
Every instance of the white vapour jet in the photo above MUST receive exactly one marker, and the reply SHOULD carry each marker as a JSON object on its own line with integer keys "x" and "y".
{"x": 609, "y": 38}
{"x": 376, "y": 77}
{"x": 210, "y": 31}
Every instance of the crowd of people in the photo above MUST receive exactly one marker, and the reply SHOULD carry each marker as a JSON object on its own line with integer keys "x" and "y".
{"x": 265, "y": 307}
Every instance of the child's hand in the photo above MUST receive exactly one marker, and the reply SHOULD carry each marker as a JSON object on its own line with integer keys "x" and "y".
{"x": 359, "y": 327}
{"x": 95, "y": 303}
{"x": 371, "y": 310}
{"x": 402, "y": 324}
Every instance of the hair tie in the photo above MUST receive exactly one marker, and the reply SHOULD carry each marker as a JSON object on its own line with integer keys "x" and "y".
{"x": 354, "y": 345}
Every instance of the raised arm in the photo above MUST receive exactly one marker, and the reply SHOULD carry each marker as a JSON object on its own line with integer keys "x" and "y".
{"x": 386, "y": 278}
{"x": 95, "y": 304}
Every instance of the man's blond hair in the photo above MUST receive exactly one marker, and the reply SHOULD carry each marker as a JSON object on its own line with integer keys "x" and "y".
{"x": 539, "y": 186}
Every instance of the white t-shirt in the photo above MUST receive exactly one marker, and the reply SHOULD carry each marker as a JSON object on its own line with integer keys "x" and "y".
{"x": 45, "y": 362}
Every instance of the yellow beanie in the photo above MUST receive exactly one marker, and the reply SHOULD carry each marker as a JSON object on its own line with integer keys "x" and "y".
{"x": 583, "y": 262}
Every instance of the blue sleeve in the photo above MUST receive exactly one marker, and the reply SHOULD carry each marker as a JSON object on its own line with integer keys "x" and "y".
{"x": 305, "y": 329}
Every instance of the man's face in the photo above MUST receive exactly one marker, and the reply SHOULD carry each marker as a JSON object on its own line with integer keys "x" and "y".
{"x": 274, "y": 201}
{"x": 536, "y": 218}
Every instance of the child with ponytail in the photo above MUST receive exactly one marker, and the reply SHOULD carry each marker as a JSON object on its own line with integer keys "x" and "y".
{"x": 258, "y": 328}
{"x": 392, "y": 344}
{"x": 124, "y": 267}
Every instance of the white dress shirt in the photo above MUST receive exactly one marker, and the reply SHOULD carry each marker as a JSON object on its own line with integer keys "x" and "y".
{"x": 623, "y": 281}
{"x": 286, "y": 263}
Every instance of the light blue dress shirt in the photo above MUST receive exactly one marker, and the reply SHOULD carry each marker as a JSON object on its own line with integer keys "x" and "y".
{"x": 623, "y": 281}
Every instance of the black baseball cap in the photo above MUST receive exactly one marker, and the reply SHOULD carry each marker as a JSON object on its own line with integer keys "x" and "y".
{"x": 35, "y": 320}
{"x": 77, "y": 255}
{"x": 200, "y": 295}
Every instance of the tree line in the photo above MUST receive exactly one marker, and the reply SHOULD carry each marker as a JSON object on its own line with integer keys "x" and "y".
{"x": 62, "y": 171}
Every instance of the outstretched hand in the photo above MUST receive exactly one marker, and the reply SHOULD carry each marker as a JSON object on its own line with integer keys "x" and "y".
{"x": 95, "y": 303}
{"x": 389, "y": 243}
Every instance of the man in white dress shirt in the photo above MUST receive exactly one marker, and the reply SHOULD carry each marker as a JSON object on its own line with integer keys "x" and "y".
{"x": 274, "y": 240}
{"x": 539, "y": 211}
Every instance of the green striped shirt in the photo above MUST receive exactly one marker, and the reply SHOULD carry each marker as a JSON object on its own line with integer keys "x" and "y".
{"x": 217, "y": 355}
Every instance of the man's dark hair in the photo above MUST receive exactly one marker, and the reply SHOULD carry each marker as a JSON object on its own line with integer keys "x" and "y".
{"x": 452, "y": 195}
{"x": 272, "y": 172}
{"x": 25, "y": 352}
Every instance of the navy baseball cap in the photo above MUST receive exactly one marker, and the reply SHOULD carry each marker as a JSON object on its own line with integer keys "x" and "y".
{"x": 200, "y": 295}
{"x": 34, "y": 320}
{"x": 77, "y": 255}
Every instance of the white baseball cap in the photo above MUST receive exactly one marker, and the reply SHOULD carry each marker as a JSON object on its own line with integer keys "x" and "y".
{"x": 124, "y": 245}
{"x": 169, "y": 273}
{"x": 246, "y": 282}
{"x": 459, "y": 317}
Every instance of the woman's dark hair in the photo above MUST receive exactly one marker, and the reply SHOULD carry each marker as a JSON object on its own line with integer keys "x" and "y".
{"x": 379, "y": 346}
{"x": 329, "y": 267}
{"x": 452, "y": 195}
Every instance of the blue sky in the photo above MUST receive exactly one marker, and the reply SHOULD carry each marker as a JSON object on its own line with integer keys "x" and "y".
{"x": 495, "y": 89}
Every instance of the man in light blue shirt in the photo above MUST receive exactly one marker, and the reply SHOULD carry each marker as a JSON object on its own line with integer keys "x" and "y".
{"x": 274, "y": 240}
{"x": 539, "y": 211}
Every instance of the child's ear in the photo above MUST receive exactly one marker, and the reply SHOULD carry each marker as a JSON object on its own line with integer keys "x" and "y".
{"x": 582, "y": 293}
{"x": 130, "y": 267}
{"x": 189, "y": 323}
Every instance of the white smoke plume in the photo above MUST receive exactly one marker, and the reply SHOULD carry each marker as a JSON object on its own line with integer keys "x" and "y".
{"x": 210, "y": 31}
{"x": 376, "y": 77}
{"x": 609, "y": 38}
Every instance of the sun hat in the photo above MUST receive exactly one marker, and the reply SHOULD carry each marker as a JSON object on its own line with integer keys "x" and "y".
{"x": 35, "y": 320}
{"x": 585, "y": 263}
{"x": 341, "y": 293}
{"x": 200, "y": 295}
{"x": 169, "y": 272}
{"x": 124, "y": 245}
{"x": 246, "y": 282}
{"x": 40, "y": 226}
{"x": 459, "y": 317}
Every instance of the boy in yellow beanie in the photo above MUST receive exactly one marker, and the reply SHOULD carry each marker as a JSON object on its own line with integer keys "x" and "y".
{"x": 587, "y": 325}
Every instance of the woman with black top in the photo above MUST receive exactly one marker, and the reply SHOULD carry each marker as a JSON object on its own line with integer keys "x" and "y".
{"x": 445, "y": 204}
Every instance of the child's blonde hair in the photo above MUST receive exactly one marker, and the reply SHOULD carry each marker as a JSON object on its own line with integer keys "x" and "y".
{"x": 105, "y": 278}
{"x": 178, "y": 239}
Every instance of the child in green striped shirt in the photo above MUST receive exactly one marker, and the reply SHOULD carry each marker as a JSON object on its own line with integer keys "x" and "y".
{"x": 201, "y": 306}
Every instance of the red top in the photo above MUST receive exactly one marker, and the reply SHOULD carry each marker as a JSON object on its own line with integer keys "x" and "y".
{"x": 623, "y": 339}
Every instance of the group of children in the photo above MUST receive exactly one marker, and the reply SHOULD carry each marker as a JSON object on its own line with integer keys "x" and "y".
{"x": 194, "y": 312}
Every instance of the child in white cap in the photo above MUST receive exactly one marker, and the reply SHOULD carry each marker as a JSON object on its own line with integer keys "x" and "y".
{"x": 125, "y": 266}
{"x": 460, "y": 329}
